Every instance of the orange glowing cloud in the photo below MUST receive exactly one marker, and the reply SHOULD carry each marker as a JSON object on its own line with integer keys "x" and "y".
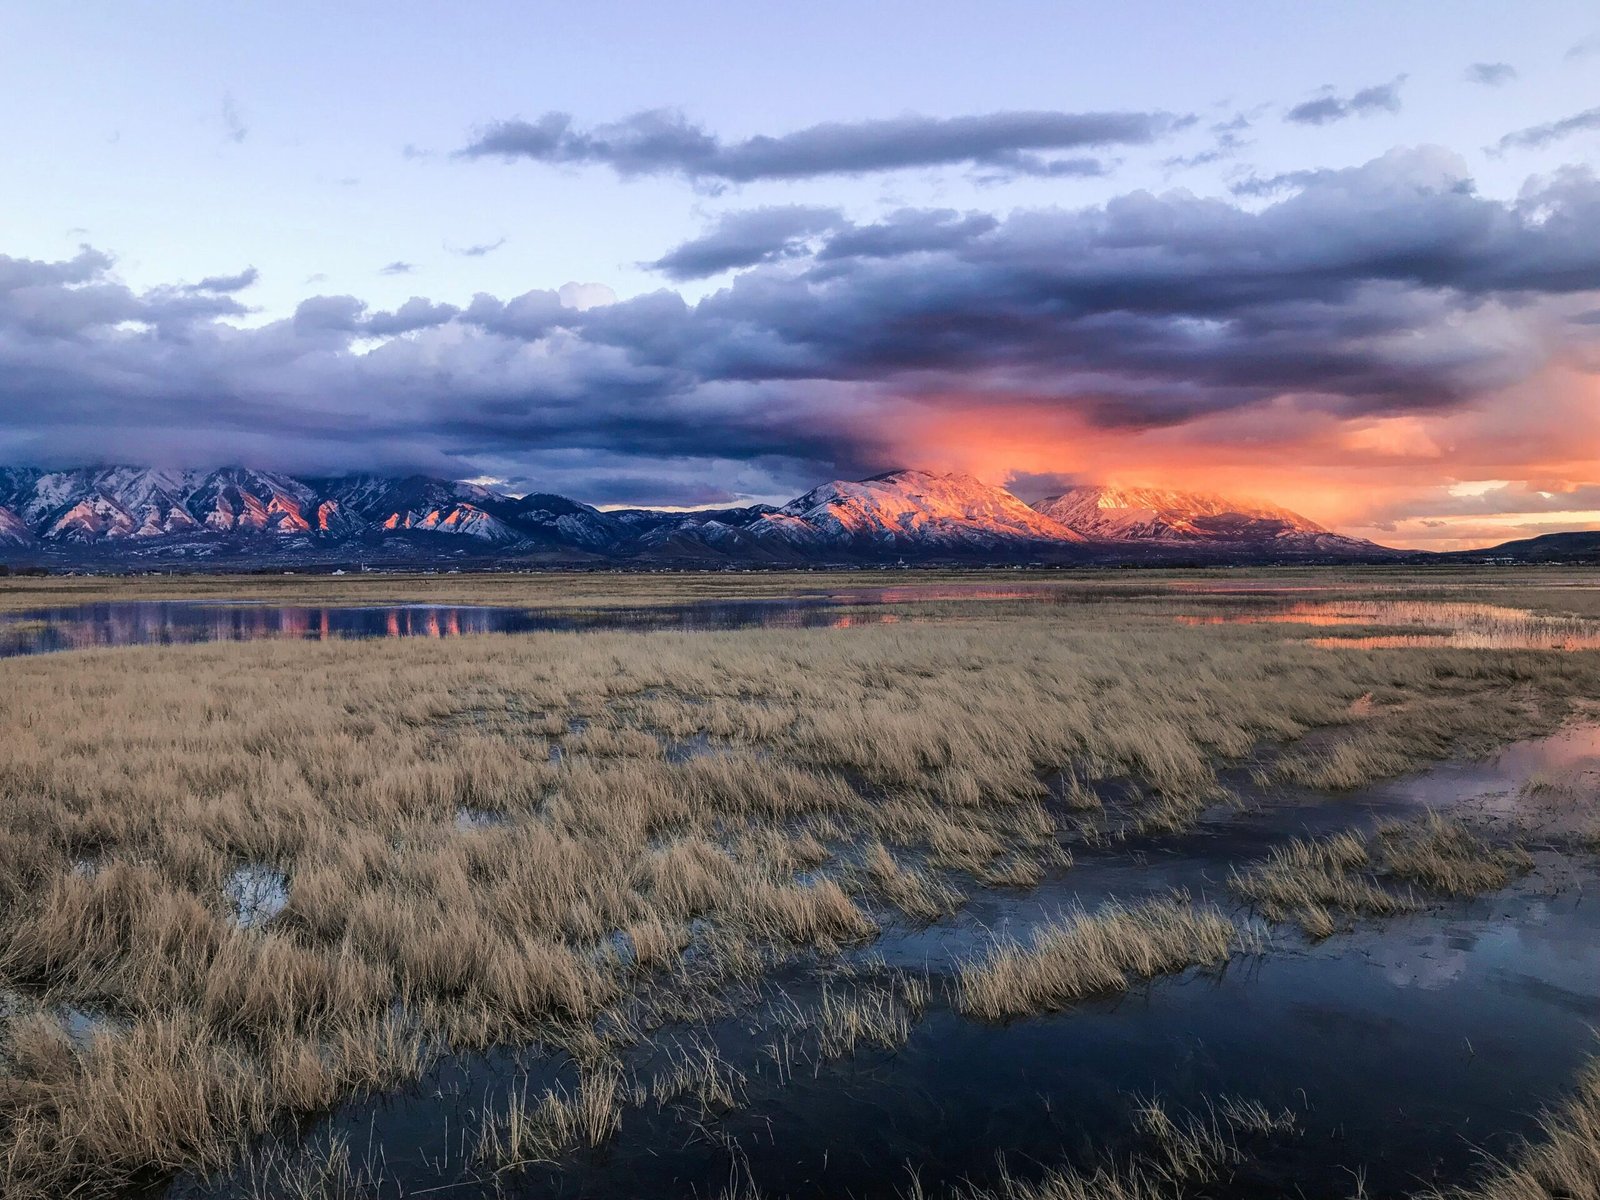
{"x": 1427, "y": 479}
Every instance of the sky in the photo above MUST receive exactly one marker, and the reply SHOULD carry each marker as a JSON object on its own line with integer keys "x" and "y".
{"x": 1342, "y": 257}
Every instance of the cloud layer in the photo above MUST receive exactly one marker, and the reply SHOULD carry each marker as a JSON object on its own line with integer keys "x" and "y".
{"x": 1362, "y": 316}
{"x": 664, "y": 142}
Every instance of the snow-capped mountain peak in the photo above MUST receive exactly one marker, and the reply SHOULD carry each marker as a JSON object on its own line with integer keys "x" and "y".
{"x": 1150, "y": 515}
{"x": 911, "y": 508}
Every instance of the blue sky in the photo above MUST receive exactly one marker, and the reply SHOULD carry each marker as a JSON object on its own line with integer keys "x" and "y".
{"x": 319, "y": 145}
{"x": 193, "y": 138}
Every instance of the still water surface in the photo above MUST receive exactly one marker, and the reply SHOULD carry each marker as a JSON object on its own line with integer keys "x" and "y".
{"x": 1375, "y": 624}
{"x": 164, "y": 622}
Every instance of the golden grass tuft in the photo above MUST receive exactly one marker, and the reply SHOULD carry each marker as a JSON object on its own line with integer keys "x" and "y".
{"x": 1321, "y": 882}
{"x": 1445, "y": 856}
{"x": 1314, "y": 882}
{"x": 559, "y": 1121}
{"x": 1083, "y": 954}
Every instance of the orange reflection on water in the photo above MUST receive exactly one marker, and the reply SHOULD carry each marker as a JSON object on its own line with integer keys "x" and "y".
{"x": 1425, "y": 623}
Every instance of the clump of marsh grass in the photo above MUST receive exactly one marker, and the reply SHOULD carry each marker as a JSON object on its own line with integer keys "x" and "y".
{"x": 1314, "y": 882}
{"x": 1444, "y": 855}
{"x": 557, "y": 1122}
{"x": 1340, "y": 764}
{"x": 1323, "y": 882}
{"x": 699, "y": 1072}
{"x": 321, "y": 1170}
{"x": 913, "y": 891}
{"x": 874, "y": 1011}
{"x": 1083, "y": 954}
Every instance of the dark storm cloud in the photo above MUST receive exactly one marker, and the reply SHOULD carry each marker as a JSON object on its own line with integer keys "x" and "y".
{"x": 1536, "y": 137}
{"x": 77, "y": 298}
{"x": 1271, "y": 185}
{"x": 87, "y": 265}
{"x": 1490, "y": 74}
{"x": 329, "y": 314}
{"x": 1384, "y": 289}
{"x": 1003, "y": 167}
{"x": 1330, "y": 107}
{"x": 743, "y": 239}
{"x": 664, "y": 142}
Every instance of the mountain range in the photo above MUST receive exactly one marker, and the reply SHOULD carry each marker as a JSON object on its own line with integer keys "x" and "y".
{"x": 235, "y": 516}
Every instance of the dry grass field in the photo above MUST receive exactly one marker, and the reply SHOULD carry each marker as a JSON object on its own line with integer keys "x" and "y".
{"x": 244, "y": 882}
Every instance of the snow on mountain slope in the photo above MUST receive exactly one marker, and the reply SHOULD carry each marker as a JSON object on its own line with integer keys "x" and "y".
{"x": 236, "y": 498}
{"x": 465, "y": 519}
{"x": 912, "y": 509}
{"x": 1161, "y": 516}
{"x": 415, "y": 502}
{"x": 91, "y": 519}
{"x": 89, "y": 506}
{"x": 138, "y": 512}
{"x": 568, "y": 521}
{"x": 14, "y": 530}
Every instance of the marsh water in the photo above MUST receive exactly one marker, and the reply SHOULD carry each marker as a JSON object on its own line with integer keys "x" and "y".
{"x": 173, "y": 622}
{"x": 1372, "y": 623}
{"x": 1407, "y": 1048}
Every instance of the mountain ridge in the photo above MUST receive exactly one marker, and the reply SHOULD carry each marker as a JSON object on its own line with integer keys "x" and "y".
{"x": 134, "y": 515}
{"x": 1166, "y": 516}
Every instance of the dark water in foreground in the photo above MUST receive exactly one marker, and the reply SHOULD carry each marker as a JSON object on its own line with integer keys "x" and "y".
{"x": 1406, "y": 1047}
